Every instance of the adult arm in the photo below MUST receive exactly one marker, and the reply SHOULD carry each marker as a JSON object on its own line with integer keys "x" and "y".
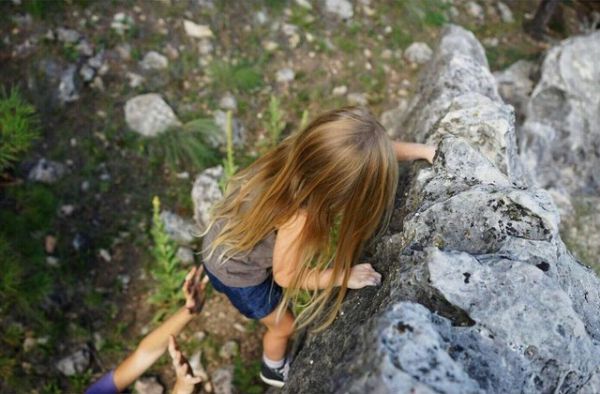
{"x": 155, "y": 344}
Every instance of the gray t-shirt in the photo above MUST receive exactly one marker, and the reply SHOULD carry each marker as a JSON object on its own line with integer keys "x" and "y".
{"x": 240, "y": 270}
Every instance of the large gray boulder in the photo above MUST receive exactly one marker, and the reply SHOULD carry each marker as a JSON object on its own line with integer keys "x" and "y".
{"x": 480, "y": 294}
{"x": 560, "y": 140}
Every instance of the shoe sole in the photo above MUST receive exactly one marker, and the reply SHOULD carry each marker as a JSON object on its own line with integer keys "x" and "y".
{"x": 272, "y": 382}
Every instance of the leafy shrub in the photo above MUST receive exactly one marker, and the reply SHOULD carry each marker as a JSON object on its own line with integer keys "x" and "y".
{"x": 166, "y": 269}
{"x": 185, "y": 147}
{"x": 275, "y": 123}
{"x": 19, "y": 126}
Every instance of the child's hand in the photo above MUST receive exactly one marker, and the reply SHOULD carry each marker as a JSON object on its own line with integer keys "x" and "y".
{"x": 363, "y": 275}
{"x": 430, "y": 153}
{"x": 193, "y": 288}
{"x": 185, "y": 377}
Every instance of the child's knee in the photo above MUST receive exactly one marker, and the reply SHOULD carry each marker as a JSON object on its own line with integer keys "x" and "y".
{"x": 283, "y": 327}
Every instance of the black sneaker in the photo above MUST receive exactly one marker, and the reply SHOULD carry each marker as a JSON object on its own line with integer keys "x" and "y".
{"x": 275, "y": 377}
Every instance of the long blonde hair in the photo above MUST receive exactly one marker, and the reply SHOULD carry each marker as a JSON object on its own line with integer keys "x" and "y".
{"x": 341, "y": 166}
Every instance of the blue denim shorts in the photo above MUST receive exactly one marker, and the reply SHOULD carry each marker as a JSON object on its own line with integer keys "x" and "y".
{"x": 254, "y": 302}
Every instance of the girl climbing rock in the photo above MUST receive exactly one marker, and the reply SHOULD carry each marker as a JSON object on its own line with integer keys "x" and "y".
{"x": 272, "y": 238}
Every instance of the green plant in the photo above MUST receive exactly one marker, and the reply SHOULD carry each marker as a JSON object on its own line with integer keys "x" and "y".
{"x": 186, "y": 146}
{"x": 42, "y": 8}
{"x": 304, "y": 119}
{"x": 19, "y": 126}
{"x": 243, "y": 76}
{"x": 229, "y": 166}
{"x": 81, "y": 380}
{"x": 166, "y": 269}
{"x": 245, "y": 376}
{"x": 275, "y": 123}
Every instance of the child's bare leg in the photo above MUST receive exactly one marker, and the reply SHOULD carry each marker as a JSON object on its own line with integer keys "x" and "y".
{"x": 278, "y": 333}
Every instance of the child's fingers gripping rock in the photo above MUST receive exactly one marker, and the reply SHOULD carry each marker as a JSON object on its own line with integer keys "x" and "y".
{"x": 363, "y": 275}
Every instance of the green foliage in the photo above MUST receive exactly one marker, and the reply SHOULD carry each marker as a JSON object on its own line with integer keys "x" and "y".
{"x": 243, "y": 76}
{"x": 415, "y": 16}
{"x": 424, "y": 12}
{"x": 19, "y": 126}
{"x": 185, "y": 147}
{"x": 42, "y": 8}
{"x": 502, "y": 57}
{"x": 274, "y": 123}
{"x": 246, "y": 376}
{"x": 80, "y": 381}
{"x": 166, "y": 269}
{"x": 229, "y": 166}
{"x": 304, "y": 119}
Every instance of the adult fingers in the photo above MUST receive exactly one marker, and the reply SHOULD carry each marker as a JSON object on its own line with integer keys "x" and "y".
{"x": 193, "y": 380}
{"x": 172, "y": 346}
{"x": 190, "y": 274}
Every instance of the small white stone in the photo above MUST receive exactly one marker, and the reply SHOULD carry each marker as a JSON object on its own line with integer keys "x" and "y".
{"x": 185, "y": 255}
{"x": 340, "y": 90}
{"x": 505, "y": 13}
{"x": 357, "y": 98}
{"x": 135, "y": 80}
{"x": 228, "y": 101}
{"x": 67, "y": 209}
{"x": 304, "y": 4}
{"x": 285, "y": 75}
{"x": 105, "y": 255}
{"x": 418, "y": 52}
{"x": 341, "y": 8}
{"x": 154, "y": 61}
{"x": 197, "y": 31}
{"x": 270, "y": 46}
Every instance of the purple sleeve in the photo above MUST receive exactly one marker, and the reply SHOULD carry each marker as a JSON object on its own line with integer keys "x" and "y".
{"x": 105, "y": 385}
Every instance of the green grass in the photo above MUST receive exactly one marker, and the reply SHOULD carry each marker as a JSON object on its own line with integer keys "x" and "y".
{"x": 501, "y": 57}
{"x": 242, "y": 77}
{"x": 246, "y": 376}
{"x": 19, "y": 126}
{"x": 26, "y": 280}
{"x": 184, "y": 148}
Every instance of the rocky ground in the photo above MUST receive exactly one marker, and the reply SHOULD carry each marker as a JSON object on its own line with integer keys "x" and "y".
{"x": 109, "y": 79}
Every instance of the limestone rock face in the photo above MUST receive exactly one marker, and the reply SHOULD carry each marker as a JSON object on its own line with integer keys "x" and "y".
{"x": 560, "y": 139}
{"x": 562, "y": 128}
{"x": 480, "y": 294}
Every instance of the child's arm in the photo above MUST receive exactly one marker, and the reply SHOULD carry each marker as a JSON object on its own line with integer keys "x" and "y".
{"x": 413, "y": 151}
{"x": 286, "y": 259}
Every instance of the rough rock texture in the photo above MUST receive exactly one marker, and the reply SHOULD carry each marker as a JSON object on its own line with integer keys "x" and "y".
{"x": 149, "y": 115}
{"x": 180, "y": 230}
{"x": 418, "y": 52}
{"x": 205, "y": 193}
{"x": 480, "y": 295}
{"x": 515, "y": 85}
{"x": 560, "y": 139}
{"x": 74, "y": 363}
{"x": 47, "y": 171}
